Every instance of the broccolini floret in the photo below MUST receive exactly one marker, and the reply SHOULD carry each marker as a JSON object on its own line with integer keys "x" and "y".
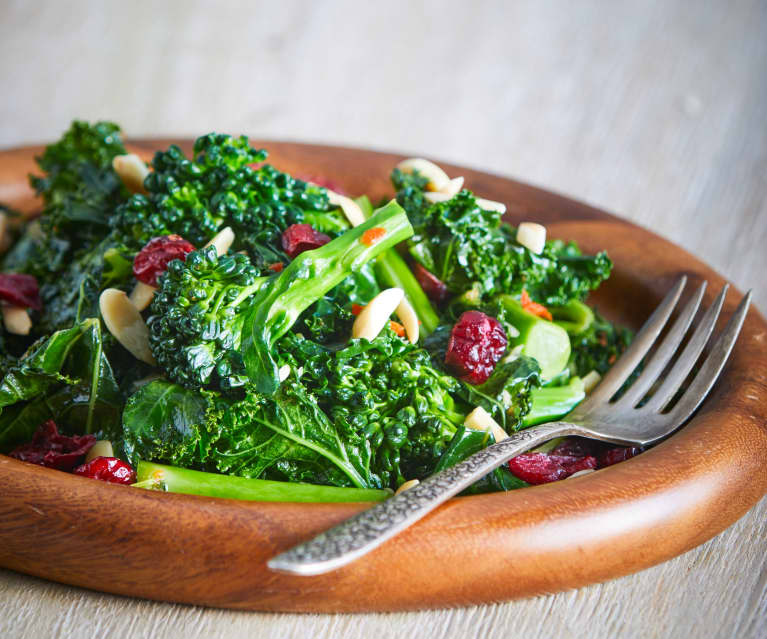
{"x": 214, "y": 320}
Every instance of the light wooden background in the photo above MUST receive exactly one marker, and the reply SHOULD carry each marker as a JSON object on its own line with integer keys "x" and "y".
{"x": 653, "y": 110}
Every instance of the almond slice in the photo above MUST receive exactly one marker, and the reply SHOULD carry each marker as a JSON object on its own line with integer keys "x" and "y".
{"x": 590, "y": 381}
{"x": 438, "y": 179}
{"x": 283, "y": 372}
{"x": 453, "y": 187}
{"x": 585, "y": 471}
{"x": 436, "y": 196}
{"x": 409, "y": 319}
{"x": 132, "y": 171}
{"x": 102, "y": 448}
{"x": 126, "y": 324}
{"x": 491, "y": 205}
{"x": 374, "y": 316}
{"x": 411, "y": 483}
{"x": 222, "y": 240}
{"x": 16, "y": 320}
{"x": 142, "y": 295}
{"x": 480, "y": 419}
{"x": 351, "y": 209}
{"x": 532, "y": 236}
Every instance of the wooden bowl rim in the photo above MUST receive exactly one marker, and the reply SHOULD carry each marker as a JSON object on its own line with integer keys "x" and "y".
{"x": 652, "y": 507}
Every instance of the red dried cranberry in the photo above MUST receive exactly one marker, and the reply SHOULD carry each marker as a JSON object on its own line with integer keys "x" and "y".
{"x": 614, "y": 455}
{"x": 476, "y": 343}
{"x": 435, "y": 288}
{"x": 51, "y": 449}
{"x": 540, "y": 468}
{"x": 298, "y": 238}
{"x": 20, "y": 289}
{"x": 110, "y": 469}
{"x": 153, "y": 259}
{"x": 578, "y": 447}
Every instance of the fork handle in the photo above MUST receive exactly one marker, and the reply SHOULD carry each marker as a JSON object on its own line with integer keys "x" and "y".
{"x": 367, "y": 530}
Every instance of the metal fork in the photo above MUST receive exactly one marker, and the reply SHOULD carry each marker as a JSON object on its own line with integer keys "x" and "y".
{"x": 620, "y": 422}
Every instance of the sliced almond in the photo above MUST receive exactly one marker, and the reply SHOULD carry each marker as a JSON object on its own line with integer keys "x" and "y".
{"x": 141, "y": 296}
{"x": 222, "y": 240}
{"x": 375, "y": 316}
{"x": 351, "y": 209}
{"x": 590, "y": 380}
{"x": 16, "y": 320}
{"x": 436, "y": 196}
{"x": 438, "y": 179}
{"x": 480, "y": 419}
{"x": 411, "y": 483}
{"x": 132, "y": 171}
{"x": 453, "y": 187}
{"x": 532, "y": 236}
{"x": 284, "y": 372}
{"x": 102, "y": 448}
{"x": 491, "y": 205}
{"x": 126, "y": 324}
{"x": 409, "y": 319}
{"x": 585, "y": 471}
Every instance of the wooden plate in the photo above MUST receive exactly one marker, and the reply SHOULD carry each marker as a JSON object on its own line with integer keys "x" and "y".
{"x": 473, "y": 549}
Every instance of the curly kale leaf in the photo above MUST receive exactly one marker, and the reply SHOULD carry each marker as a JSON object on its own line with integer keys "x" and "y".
{"x": 383, "y": 396}
{"x": 468, "y": 247}
{"x": 222, "y": 186}
{"x": 80, "y": 190}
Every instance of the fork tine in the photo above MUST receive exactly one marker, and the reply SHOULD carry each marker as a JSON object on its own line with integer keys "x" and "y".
{"x": 664, "y": 352}
{"x": 621, "y": 370}
{"x": 689, "y": 356}
{"x": 713, "y": 365}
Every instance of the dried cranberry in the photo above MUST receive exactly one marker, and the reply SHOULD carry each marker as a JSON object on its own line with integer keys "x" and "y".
{"x": 51, "y": 449}
{"x": 578, "y": 447}
{"x": 614, "y": 455}
{"x": 476, "y": 343}
{"x": 435, "y": 288}
{"x": 153, "y": 259}
{"x": 110, "y": 469}
{"x": 540, "y": 468}
{"x": 20, "y": 289}
{"x": 298, "y": 238}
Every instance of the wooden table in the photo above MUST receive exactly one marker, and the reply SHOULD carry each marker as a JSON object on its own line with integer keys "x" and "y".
{"x": 655, "y": 111}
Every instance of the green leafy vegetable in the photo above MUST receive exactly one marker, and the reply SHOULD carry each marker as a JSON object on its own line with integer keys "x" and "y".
{"x": 214, "y": 320}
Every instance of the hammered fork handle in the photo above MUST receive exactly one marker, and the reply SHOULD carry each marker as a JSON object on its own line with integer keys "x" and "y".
{"x": 370, "y": 528}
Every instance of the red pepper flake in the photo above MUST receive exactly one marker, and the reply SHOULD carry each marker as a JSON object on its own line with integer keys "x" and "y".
{"x": 109, "y": 469}
{"x": 397, "y": 328}
{"x": 53, "y": 450}
{"x": 153, "y": 259}
{"x": 357, "y": 309}
{"x": 533, "y": 307}
{"x": 371, "y": 236}
{"x": 20, "y": 289}
{"x": 276, "y": 267}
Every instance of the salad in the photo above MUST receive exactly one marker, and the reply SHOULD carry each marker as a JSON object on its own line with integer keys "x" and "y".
{"x": 209, "y": 324}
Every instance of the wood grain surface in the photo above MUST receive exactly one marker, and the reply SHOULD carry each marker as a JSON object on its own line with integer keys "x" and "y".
{"x": 653, "y": 110}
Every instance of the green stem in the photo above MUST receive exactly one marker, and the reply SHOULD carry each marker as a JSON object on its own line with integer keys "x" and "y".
{"x": 575, "y": 317}
{"x": 554, "y": 402}
{"x": 195, "y": 482}
{"x": 540, "y": 338}
{"x": 307, "y": 278}
{"x": 393, "y": 271}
